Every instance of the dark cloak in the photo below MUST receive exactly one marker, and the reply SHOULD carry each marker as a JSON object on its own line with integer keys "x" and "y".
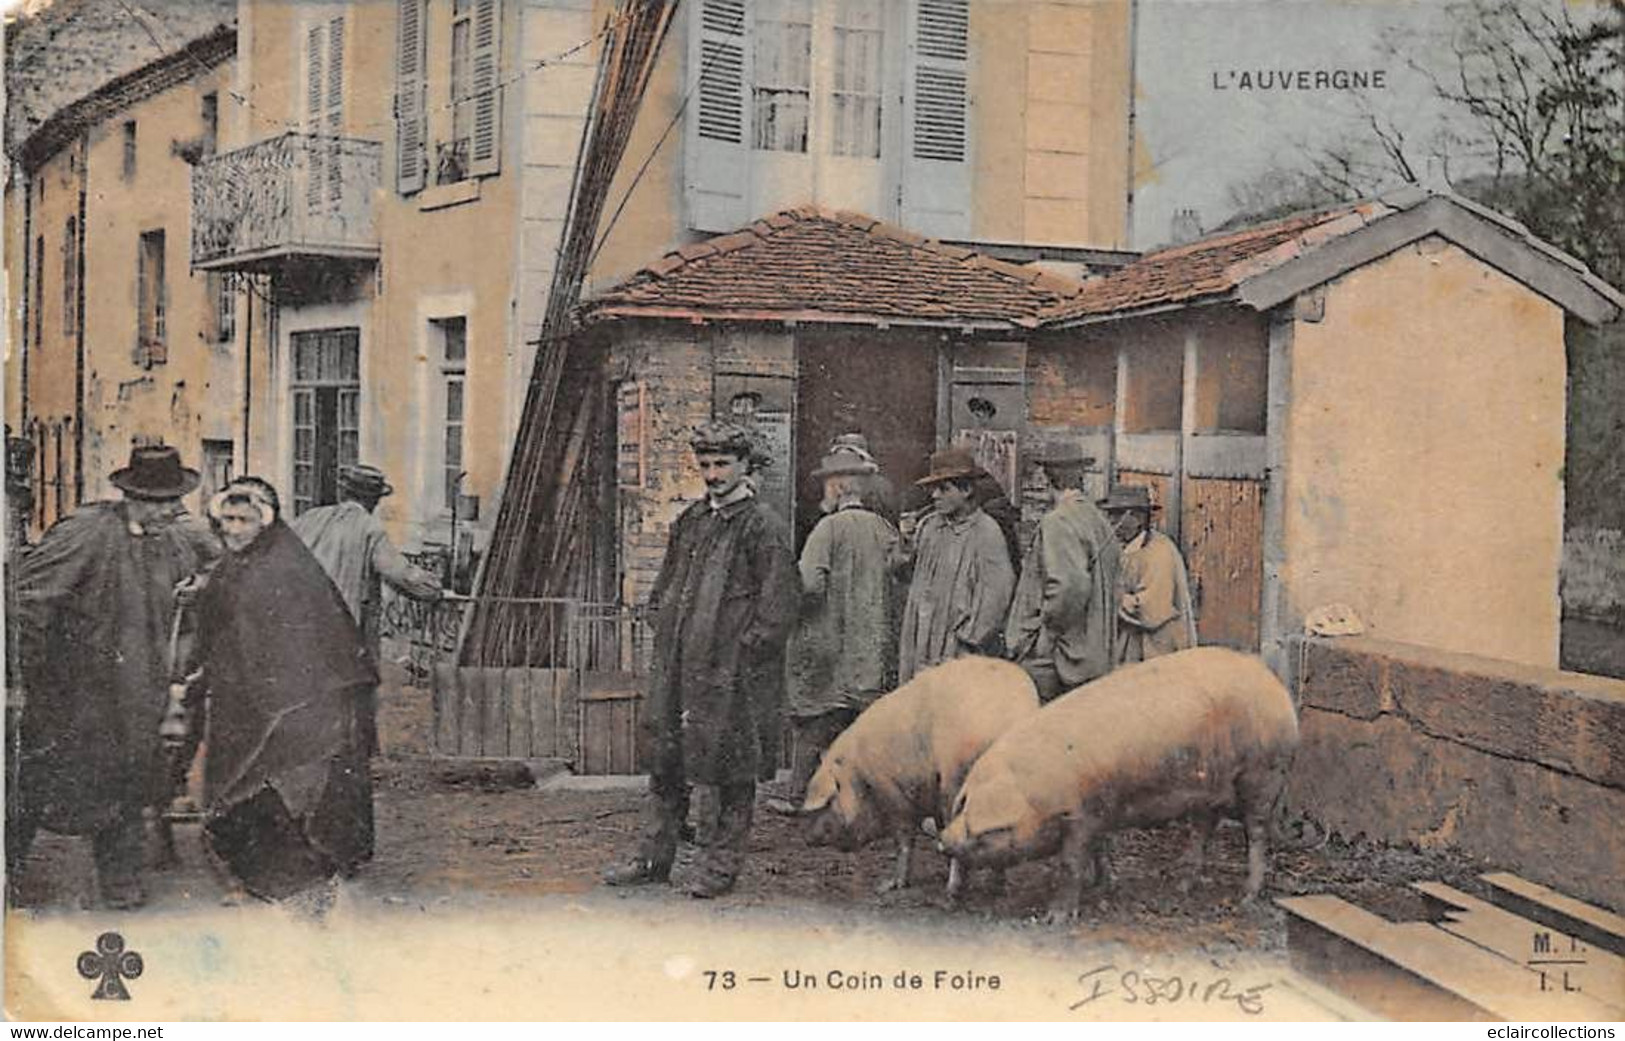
{"x": 724, "y": 602}
{"x": 90, "y": 608}
{"x": 288, "y": 792}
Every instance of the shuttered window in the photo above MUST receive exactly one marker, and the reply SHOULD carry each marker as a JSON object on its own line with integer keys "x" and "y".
{"x": 485, "y": 145}
{"x": 942, "y": 43}
{"x": 152, "y": 332}
{"x": 324, "y": 113}
{"x": 410, "y": 103}
{"x": 70, "y": 277}
{"x": 782, "y": 90}
{"x": 855, "y": 98}
{"x": 722, "y": 70}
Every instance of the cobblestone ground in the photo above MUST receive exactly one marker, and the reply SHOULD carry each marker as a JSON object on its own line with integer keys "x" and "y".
{"x": 439, "y": 839}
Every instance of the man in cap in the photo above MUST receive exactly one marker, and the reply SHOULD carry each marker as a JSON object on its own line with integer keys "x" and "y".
{"x": 1154, "y": 615}
{"x": 722, "y": 604}
{"x": 91, "y": 607}
{"x": 843, "y": 653}
{"x": 961, "y": 579}
{"x": 350, "y": 543}
{"x": 1060, "y": 627}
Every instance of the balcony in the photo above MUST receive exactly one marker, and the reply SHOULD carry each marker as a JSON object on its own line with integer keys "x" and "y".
{"x": 293, "y": 198}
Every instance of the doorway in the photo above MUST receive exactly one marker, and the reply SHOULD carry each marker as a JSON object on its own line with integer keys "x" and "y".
{"x": 326, "y": 393}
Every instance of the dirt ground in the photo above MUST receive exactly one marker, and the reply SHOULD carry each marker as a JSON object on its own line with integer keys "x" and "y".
{"x": 480, "y": 833}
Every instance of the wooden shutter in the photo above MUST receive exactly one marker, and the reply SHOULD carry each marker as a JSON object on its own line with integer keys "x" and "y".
{"x": 935, "y": 188}
{"x": 315, "y": 78}
{"x": 410, "y": 132}
{"x": 717, "y": 159}
{"x": 485, "y": 146}
{"x": 335, "y": 110}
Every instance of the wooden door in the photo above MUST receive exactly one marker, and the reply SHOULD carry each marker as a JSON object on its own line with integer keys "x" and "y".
{"x": 1223, "y": 529}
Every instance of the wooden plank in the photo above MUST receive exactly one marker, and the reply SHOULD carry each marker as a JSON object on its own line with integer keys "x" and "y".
{"x": 1225, "y": 455}
{"x": 1591, "y": 924}
{"x": 494, "y": 739}
{"x": 516, "y": 681}
{"x": 1420, "y": 951}
{"x": 1566, "y": 961}
{"x": 1224, "y": 550}
{"x": 471, "y": 706}
{"x": 443, "y": 684}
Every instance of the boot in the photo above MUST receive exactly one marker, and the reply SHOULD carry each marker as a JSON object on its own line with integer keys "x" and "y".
{"x": 724, "y": 829}
{"x": 657, "y": 849}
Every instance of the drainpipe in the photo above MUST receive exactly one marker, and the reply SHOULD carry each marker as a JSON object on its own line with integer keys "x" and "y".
{"x": 248, "y": 372}
{"x": 29, "y": 274}
{"x": 79, "y": 337}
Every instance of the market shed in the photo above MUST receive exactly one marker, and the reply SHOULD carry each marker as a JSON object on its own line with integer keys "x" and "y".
{"x": 806, "y": 324}
{"x": 1361, "y": 406}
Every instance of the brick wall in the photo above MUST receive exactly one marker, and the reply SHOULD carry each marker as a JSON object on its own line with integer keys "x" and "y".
{"x": 1519, "y": 766}
{"x": 675, "y": 368}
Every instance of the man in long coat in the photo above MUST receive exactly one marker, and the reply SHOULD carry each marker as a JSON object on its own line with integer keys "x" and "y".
{"x": 350, "y": 543}
{"x": 723, "y": 604}
{"x": 843, "y": 653}
{"x": 1061, "y": 623}
{"x": 960, "y": 588}
{"x": 1154, "y": 612}
{"x": 91, "y": 609}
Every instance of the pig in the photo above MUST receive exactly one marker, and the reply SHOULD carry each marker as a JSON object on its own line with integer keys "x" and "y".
{"x": 903, "y": 759}
{"x": 1201, "y": 733}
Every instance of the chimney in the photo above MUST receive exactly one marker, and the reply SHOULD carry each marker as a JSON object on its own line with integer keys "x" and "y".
{"x": 1186, "y": 226}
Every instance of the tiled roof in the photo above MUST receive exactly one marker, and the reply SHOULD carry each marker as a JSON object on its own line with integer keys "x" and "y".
{"x": 810, "y": 264}
{"x": 1213, "y": 266}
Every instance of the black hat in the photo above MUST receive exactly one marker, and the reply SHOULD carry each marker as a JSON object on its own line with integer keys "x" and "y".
{"x": 154, "y": 472}
{"x": 1128, "y": 497}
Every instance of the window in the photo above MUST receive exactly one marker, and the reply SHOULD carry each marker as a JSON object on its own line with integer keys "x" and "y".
{"x": 152, "y": 337}
{"x": 70, "y": 277}
{"x": 39, "y": 291}
{"x": 454, "y": 384}
{"x": 129, "y": 150}
{"x": 326, "y": 392}
{"x": 451, "y": 160}
{"x": 856, "y": 93}
{"x": 211, "y": 123}
{"x": 782, "y": 88}
{"x": 222, "y": 289}
{"x": 217, "y": 466}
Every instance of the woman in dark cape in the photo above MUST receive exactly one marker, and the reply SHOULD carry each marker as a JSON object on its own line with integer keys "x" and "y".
{"x": 288, "y": 791}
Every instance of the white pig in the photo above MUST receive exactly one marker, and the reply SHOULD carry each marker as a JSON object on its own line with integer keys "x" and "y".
{"x": 904, "y": 758}
{"x": 1204, "y": 733}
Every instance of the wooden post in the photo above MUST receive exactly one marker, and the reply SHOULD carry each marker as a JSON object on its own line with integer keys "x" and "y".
{"x": 1279, "y": 619}
{"x": 1119, "y": 414}
{"x": 1187, "y": 430}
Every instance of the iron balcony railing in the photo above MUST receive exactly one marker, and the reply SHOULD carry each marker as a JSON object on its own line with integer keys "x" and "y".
{"x": 294, "y": 195}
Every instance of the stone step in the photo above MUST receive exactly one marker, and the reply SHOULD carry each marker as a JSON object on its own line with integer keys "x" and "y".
{"x": 1590, "y": 924}
{"x": 1568, "y": 963}
{"x": 1417, "y": 971}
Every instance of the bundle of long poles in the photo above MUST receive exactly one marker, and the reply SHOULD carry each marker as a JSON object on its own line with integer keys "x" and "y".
{"x": 539, "y": 545}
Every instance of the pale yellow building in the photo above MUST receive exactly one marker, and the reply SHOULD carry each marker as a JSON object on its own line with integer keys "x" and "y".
{"x": 398, "y": 171}
{"x": 114, "y": 340}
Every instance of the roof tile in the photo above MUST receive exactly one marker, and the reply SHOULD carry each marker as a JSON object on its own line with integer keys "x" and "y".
{"x": 808, "y": 262}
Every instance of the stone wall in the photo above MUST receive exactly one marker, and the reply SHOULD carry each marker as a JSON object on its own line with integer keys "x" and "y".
{"x": 1522, "y": 767}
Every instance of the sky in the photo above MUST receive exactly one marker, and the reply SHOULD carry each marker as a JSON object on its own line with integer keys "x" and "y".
{"x": 1204, "y": 119}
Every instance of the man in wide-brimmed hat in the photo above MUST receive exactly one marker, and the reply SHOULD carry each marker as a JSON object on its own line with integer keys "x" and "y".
{"x": 722, "y": 604}
{"x": 91, "y": 608}
{"x": 961, "y": 577}
{"x": 1154, "y": 614}
{"x": 843, "y": 653}
{"x": 1061, "y": 623}
{"x": 350, "y": 543}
